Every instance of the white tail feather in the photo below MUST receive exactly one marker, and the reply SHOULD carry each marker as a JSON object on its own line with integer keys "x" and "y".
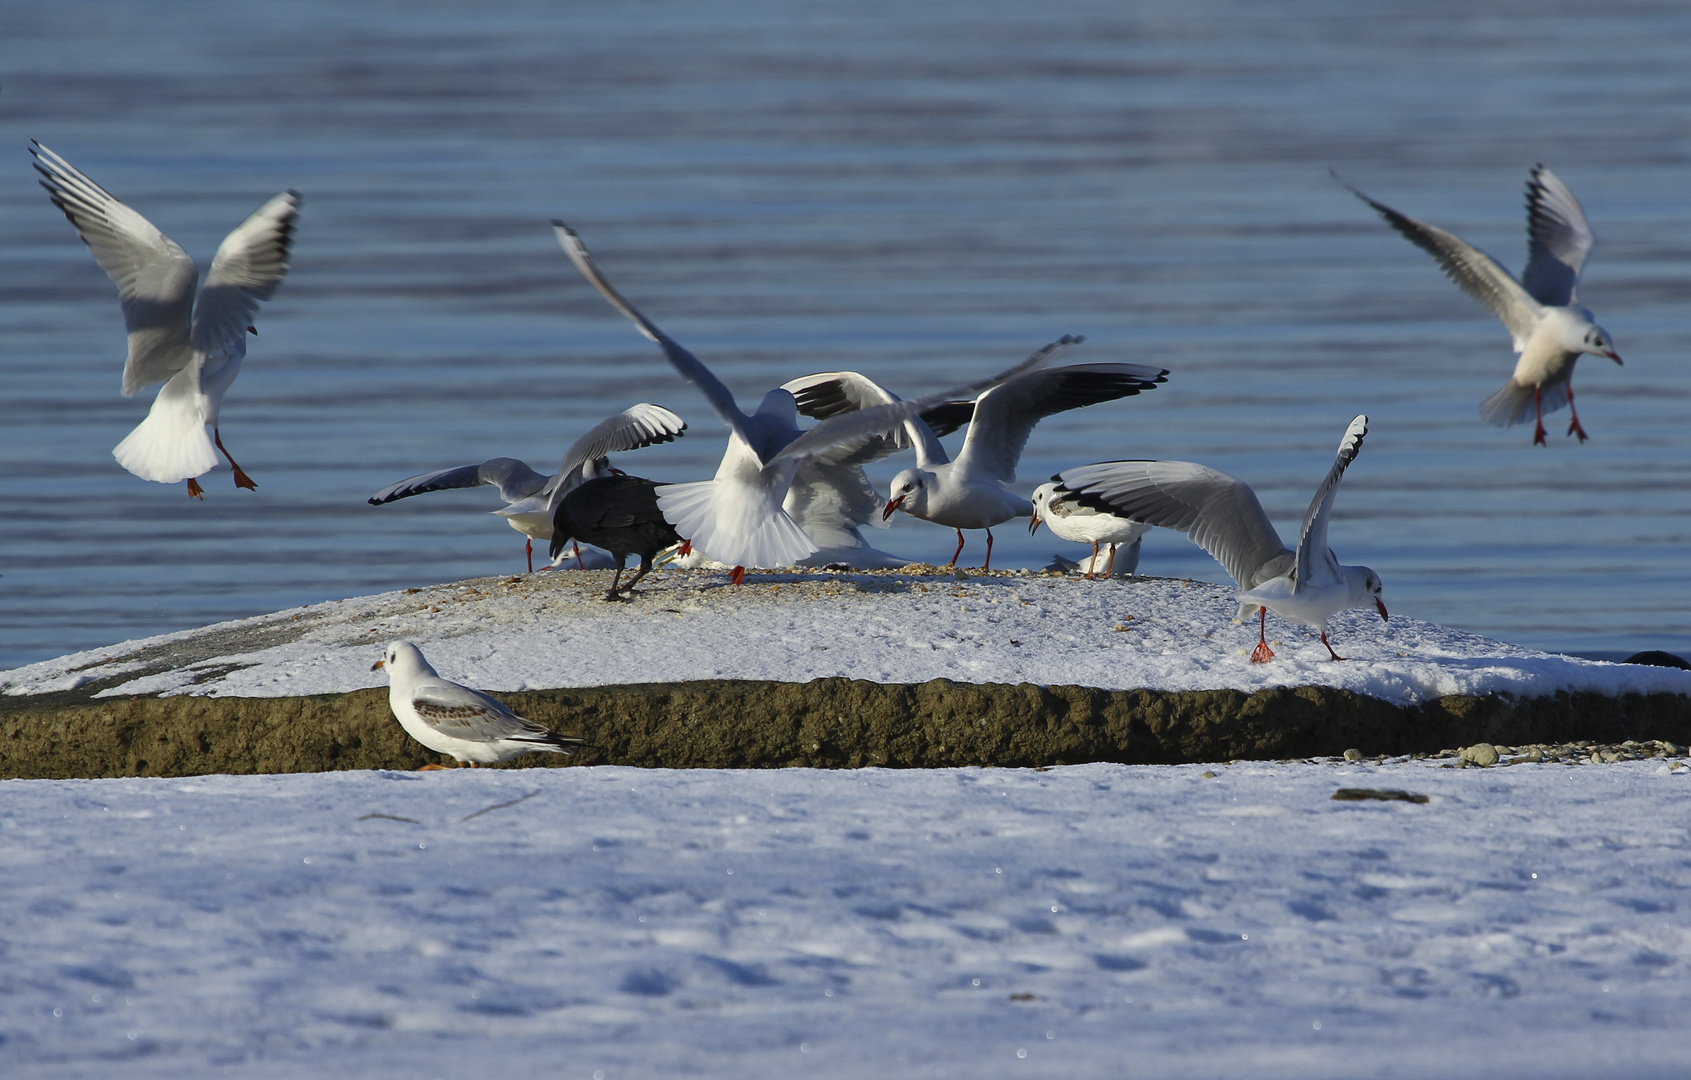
{"x": 732, "y": 529}
{"x": 1514, "y": 403}
{"x": 171, "y": 444}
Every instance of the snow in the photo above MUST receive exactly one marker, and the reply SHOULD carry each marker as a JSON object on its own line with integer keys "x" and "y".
{"x": 612, "y": 923}
{"x": 552, "y": 630}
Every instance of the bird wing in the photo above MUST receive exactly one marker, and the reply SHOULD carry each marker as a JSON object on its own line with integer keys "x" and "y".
{"x": 1219, "y": 512}
{"x": 828, "y": 496}
{"x": 249, "y": 265}
{"x": 1005, "y": 415}
{"x": 461, "y": 713}
{"x": 1475, "y": 273}
{"x": 155, "y": 278}
{"x": 834, "y": 393}
{"x": 514, "y": 479}
{"x": 690, "y": 367}
{"x": 613, "y": 502}
{"x": 1316, "y": 564}
{"x": 631, "y": 429}
{"x": 1560, "y": 239}
{"x": 846, "y": 428}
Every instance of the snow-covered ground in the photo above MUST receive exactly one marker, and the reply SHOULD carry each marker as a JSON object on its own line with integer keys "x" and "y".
{"x": 1085, "y": 921}
{"x": 552, "y": 630}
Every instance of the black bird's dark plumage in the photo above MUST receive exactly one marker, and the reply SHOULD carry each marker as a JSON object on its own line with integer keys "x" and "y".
{"x": 619, "y": 514}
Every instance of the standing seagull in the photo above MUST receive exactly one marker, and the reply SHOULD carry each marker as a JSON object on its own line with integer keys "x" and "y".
{"x": 1549, "y": 328}
{"x": 737, "y": 518}
{"x": 452, "y": 719}
{"x": 195, "y": 348}
{"x": 1222, "y": 515}
{"x": 532, "y": 498}
{"x": 1073, "y": 520}
{"x": 970, "y": 493}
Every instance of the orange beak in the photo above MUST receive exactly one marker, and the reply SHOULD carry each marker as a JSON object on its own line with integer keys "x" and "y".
{"x": 892, "y": 504}
{"x": 1379, "y": 604}
{"x": 1033, "y": 526}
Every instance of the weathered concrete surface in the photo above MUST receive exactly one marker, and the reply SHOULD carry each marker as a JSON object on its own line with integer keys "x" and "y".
{"x": 827, "y": 723}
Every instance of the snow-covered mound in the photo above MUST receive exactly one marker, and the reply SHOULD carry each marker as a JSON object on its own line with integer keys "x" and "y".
{"x": 552, "y": 630}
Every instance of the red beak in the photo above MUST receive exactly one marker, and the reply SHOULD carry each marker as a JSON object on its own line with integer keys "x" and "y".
{"x": 892, "y": 504}
{"x": 1033, "y": 526}
{"x": 1613, "y": 357}
{"x": 1383, "y": 616}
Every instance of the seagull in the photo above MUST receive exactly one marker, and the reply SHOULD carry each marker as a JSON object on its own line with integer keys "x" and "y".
{"x": 970, "y": 493}
{"x": 620, "y": 514}
{"x": 532, "y": 498}
{"x": 452, "y": 719}
{"x": 1222, "y": 515}
{"x": 195, "y": 348}
{"x": 737, "y": 518}
{"x": 1549, "y": 328}
{"x": 1073, "y": 520}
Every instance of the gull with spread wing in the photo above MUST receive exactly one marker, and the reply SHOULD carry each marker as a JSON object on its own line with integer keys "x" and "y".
{"x": 531, "y": 497}
{"x": 1222, "y": 515}
{"x": 194, "y": 347}
{"x": 1550, "y": 330}
{"x": 452, "y": 719}
{"x": 737, "y": 518}
{"x": 971, "y": 492}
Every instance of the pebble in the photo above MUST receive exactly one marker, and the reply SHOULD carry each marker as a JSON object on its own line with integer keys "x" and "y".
{"x": 1481, "y": 754}
{"x": 1353, "y": 755}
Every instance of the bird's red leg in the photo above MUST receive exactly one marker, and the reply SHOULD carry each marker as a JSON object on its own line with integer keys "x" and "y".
{"x": 242, "y": 480}
{"x": 988, "y": 564}
{"x": 959, "y": 550}
{"x": 1262, "y": 654}
{"x": 528, "y": 549}
{"x": 1329, "y": 645}
{"x": 684, "y": 550}
{"x": 195, "y": 491}
{"x": 431, "y": 768}
{"x": 1574, "y": 427}
{"x": 580, "y": 565}
{"x": 1094, "y": 563}
{"x": 1109, "y": 567}
{"x": 1538, "y": 409}
{"x": 738, "y": 577}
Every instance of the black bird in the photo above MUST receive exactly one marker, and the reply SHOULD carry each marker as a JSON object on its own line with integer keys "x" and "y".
{"x": 620, "y": 514}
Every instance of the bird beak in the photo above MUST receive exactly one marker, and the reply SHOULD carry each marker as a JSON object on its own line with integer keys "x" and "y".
{"x": 1381, "y": 605}
{"x": 892, "y": 504}
{"x": 1613, "y": 357}
{"x": 379, "y": 663}
{"x": 1033, "y": 526}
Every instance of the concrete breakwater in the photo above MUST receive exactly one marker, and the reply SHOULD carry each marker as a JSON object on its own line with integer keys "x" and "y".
{"x": 826, "y": 723}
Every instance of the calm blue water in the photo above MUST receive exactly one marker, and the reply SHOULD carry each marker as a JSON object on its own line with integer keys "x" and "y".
{"x": 919, "y": 192}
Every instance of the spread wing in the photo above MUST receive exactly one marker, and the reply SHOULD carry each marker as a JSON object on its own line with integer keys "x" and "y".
{"x": 514, "y": 479}
{"x": 1560, "y": 239}
{"x": 833, "y": 393}
{"x": 155, "y": 278}
{"x": 635, "y": 427}
{"x": 462, "y": 713}
{"x": 690, "y": 367}
{"x": 1005, "y": 416}
{"x": 1219, "y": 512}
{"x": 1316, "y": 564}
{"x": 1475, "y": 273}
{"x": 249, "y": 265}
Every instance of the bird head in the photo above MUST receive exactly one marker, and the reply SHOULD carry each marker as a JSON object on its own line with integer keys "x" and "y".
{"x": 1597, "y": 343}
{"x": 909, "y": 492}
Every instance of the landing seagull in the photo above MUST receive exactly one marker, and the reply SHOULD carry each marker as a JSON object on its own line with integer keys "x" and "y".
{"x": 1073, "y": 520}
{"x": 452, "y": 719}
{"x": 737, "y": 518}
{"x": 1549, "y": 328}
{"x": 1222, "y": 515}
{"x": 970, "y": 493}
{"x": 531, "y": 497}
{"x": 195, "y": 348}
